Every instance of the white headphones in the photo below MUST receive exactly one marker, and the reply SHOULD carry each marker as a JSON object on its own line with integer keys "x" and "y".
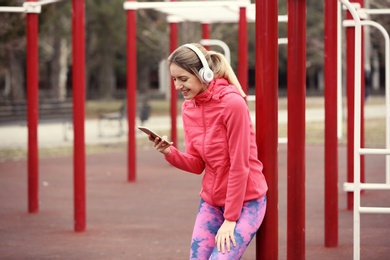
{"x": 205, "y": 73}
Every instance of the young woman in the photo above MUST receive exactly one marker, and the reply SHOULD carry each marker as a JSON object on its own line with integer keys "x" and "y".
{"x": 219, "y": 141}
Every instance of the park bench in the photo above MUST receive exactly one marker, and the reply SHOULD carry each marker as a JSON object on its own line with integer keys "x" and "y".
{"x": 108, "y": 118}
{"x": 144, "y": 110}
{"x": 48, "y": 109}
{"x": 16, "y": 112}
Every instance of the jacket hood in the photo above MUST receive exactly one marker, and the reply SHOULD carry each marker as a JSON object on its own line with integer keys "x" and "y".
{"x": 216, "y": 90}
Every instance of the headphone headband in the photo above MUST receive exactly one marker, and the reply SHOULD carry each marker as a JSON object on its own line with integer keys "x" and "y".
{"x": 199, "y": 54}
{"x": 206, "y": 73}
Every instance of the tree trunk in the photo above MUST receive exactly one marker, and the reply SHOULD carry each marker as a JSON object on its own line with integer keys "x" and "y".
{"x": 59, "y": 68}
{"x": 7, "y": 83}
{"x": 106, "y": 77}
{"x": 144, "y": 79}
{"x": 17, "y": 92}
{"x": 311, "y": 78}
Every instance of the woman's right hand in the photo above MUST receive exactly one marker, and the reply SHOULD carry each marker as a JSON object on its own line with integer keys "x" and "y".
{"x": 162, "y": 145}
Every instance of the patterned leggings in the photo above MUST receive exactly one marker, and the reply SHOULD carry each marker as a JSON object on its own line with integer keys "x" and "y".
{"x": 210, "y": 219}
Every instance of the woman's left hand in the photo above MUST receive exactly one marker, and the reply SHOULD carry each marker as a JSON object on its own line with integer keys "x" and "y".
{"x": 161, "y": 145}
{"x": 224, "y": 235}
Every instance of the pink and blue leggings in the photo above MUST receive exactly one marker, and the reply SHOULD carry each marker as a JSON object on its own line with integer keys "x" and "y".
{"x": 209, "y": 220}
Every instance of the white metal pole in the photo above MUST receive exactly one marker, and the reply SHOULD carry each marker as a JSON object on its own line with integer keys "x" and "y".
{"x": 282, "y": 41}
{"x": 187, "y": 4}
{"x": 376, "y": 11}
{"x": 375, "y": 210}
{"x": 374, "y": 151}
{"x": 387, "y": 89}
{"x": 31, "y": 7}
{"x": 45, "y": 2}
{"x": 12, "y": 9}
{"x": 223, "y": 45}
{"x": 367, "y": 186}
{"x": 357, "y": 104}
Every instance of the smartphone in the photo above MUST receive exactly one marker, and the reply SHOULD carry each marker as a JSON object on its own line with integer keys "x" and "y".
{"x": 153, "y": 134}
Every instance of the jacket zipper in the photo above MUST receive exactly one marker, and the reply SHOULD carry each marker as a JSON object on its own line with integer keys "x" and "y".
{"x": 204, "y": 132}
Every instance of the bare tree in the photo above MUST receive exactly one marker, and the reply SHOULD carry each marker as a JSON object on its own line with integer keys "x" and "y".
{"x": 55, "y": 48}
{"x": 12, "y": 51}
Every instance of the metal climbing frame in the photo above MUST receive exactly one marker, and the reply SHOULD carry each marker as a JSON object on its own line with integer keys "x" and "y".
{"x": 32, "y": 8}
{"x": 28, "y": 7}
{"x": 357, "y": 186}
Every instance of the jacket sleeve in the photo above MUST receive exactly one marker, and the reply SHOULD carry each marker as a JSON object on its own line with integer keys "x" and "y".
{"x": 238, "y": 125}
{"x": 185, "y": 161}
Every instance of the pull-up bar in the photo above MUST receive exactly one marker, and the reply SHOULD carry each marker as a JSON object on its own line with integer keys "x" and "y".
{"x": 376, "y": 11}
{"x": 156, "y": 5}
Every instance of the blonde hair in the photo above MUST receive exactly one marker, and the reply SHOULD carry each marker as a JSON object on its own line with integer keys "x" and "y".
{"x": 188, "y": 60}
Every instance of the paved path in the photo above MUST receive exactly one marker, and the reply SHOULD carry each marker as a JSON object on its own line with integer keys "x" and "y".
{"x": 55, "y": 133}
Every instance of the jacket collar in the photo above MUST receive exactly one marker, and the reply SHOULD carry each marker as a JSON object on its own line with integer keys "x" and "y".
{"x": 205, "y": 95}
{"x": 217, "y": 88}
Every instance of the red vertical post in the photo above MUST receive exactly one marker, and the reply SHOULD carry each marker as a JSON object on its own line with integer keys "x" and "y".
{"x": 296, "y": 193}
{"x": 350, "y": 75}
{"x": 243, "y": 50}
{"x": 206, "y": 33}
{"x": 32, "y": 109}
{"x": 131, "y": 92}
{"x": 78, "y": 81}
{"x": 331, "y": 142}
{"x": 267, "y": 121}
{"x": 350, "y": 81}
{"x": 173, "y": 45}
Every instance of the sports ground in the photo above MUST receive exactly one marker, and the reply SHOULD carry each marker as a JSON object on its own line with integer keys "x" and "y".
{"x": 152, "y": 218}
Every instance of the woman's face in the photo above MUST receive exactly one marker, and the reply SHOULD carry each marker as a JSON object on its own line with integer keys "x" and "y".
{"x": 188, "y": 84}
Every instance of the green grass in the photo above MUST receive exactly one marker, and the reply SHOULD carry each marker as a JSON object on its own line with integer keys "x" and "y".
{"x": 46, "y": 152}
{"x": 94, "y": 108}
{"x": 374, "y": 129}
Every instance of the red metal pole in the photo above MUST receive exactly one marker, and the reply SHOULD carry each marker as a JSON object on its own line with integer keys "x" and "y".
{"x": 131, "y": 91}
{"x": 78, "y": 71}
{"x": 350, "y": 60}
{"x": 296, "y": 193}
{"x": 32, "y": 110}
{"x": 206, "y": 33}
{"x": 267, "y": 121}
{"x": 331, "y": 142}
{"x": 243, "y": 50}
{"x": 173, "y": 46}
{"x": 350, "y": 75}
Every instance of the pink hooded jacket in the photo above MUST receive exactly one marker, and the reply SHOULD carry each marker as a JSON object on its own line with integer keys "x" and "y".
{"x": 220, "y": 141}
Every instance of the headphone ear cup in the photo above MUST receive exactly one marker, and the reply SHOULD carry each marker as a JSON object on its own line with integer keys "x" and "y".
{"x": 206, "y": 74}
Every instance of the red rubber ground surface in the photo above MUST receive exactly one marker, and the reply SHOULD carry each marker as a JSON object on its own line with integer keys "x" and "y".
{"x": 153, "y": 217}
